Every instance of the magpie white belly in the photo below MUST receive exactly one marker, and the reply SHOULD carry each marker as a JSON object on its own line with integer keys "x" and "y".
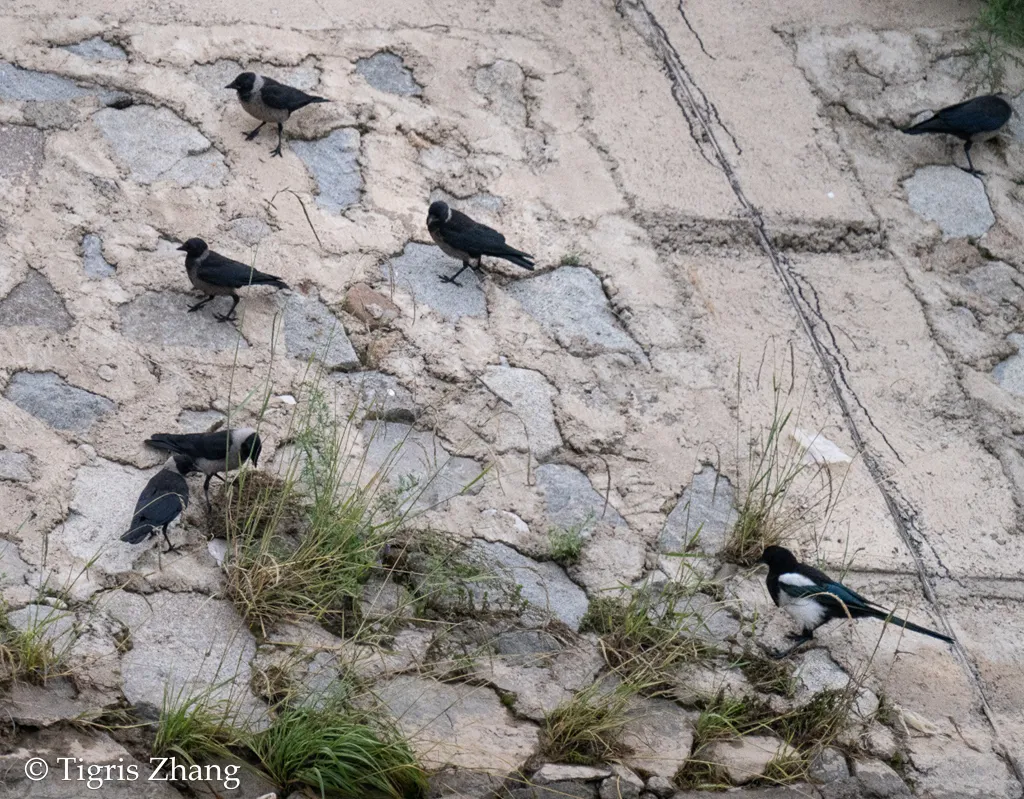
{"x": 804, "y": 610}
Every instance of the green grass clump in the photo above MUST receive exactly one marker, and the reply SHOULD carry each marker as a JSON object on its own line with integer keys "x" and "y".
{"x": 35, "y": 654}
{"x": 195, "y": 727}
{"x": 571, "y": 258}
{"x": 998, "y": 31}
{"x": 767, "y": 675}
{"x": 566, "y": 544}
{"x": 337, "y": 754}
{"x": 587, "y": 729}
{"x": 646, "y": 633}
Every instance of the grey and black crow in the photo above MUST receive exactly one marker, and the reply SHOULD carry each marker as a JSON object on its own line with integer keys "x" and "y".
{"x": 218, "y": 276}
{"x": 164, "y": 497}
{"x": 973, "y": 120}
{"x": 460, "y": 237}
{"x": 269, "y": 101}
{"x": 813, "y": 598}
{"x": 212, "y": 453}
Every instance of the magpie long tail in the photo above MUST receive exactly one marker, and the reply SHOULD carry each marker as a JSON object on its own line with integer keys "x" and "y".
{"x": 908, "y": 625}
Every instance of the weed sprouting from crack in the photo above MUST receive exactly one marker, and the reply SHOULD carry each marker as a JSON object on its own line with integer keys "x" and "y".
{"x": 587, "y": 729}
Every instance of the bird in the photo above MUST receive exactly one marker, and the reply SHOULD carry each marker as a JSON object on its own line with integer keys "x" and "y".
{"x": 460, "y": 237}
{"x": 218, "y": 276}
{"x": 161, "y": 501}
{"x": 212, "y": 453}
{"x": 270, "y": 101}
{"x": 971, "y": 121}
{"x": 813, "y": 598}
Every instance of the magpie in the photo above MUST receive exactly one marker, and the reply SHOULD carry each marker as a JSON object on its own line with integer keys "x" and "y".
{"x": 212, "y": 453}
{"x": 813, "y": 598}
{"x": 164, "y": 497}
{"x": 218, "y": 276}
{"x": 973, "y": 120}
{"x": 269, "y": 101}
{"x": 460, "y": 237}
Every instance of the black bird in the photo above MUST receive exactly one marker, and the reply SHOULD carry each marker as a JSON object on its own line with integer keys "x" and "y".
{"x": 218, "y": 276}
{"x": 270, "y": 101}
{"x": 813, "y": 598}
{"x": 973, "y": 120}
{"x": 164, "y": 497}
{"x": 460, "y": 237}
{"x": 212, "y": 453}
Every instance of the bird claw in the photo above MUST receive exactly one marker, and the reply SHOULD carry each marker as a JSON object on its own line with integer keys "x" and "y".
{"x": 223, "y": 317}
{"x": 452, "y": 280}
{"x": 276, "y": 151}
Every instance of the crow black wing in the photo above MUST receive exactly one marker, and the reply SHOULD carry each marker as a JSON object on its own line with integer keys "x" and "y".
{"x": 163, "y": 498}
{"x": 462, "y": 233}
{"x": 218, "y": 270}
{"x": 209, "y": 446}
{"x": 286, "y": 98}
{"x": 979, "y": 115}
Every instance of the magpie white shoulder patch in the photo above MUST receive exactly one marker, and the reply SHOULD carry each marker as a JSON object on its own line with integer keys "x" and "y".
{"x": 796, "y": 580}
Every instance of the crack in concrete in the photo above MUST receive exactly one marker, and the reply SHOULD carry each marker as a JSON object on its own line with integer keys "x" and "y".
{"x": 693, "y": 30}
{"x": 900, "y": 509}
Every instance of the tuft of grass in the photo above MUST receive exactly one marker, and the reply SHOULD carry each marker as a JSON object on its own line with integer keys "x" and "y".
{"x": 647, "y": 633}
{"x": 339, "y": 754}
{"x": 565, "y": 544}
{"x": 777, "y": 490}
{"x": 571, "y": 258}
{"x": 195, "y": 727}
{"x": 767, "y": 675}
{"x": 999, "y": 31}
{"x": 587, "y": 729}
{"x": 37, "y": 653}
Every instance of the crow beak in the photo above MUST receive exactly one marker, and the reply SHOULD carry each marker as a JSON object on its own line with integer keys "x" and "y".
{"x": 231, "y": 85}
{"x": 183, "y": 248}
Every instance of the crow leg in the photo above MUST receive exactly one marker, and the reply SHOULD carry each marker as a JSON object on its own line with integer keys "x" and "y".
{"x": 970, "y": 166}
{"x": 206, "y": 493}
{"x": 799, "y": 640}
{"x": 277, "y": 150}
{"x": 445, "y": 279}
{"x": 252, "y": 133}
{"x": 199, "y": 305}
{"x": 227, "y": 317}
{"x": 170, "y": 546}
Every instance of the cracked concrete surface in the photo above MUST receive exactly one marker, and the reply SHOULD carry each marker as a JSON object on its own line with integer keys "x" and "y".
{"x": 739, "y": 206}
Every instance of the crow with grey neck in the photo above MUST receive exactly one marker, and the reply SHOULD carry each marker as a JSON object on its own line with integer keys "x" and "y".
{"x": 212, "y": 453}
{"x": 974, "y": 120}
{"x": 460, "y": 237}
{"x": 269, "y": 101}
{"x": 161, "y": 501}
{"x": 218, "y": 276}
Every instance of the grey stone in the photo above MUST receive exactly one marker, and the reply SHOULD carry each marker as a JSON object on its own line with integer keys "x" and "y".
{"x": 199, "y": 421}
{"x": 14, "y": 466}
{"x": 570, "y": 305}
{"x": 13, "y": 570}
{"x": 660, "y": 735}
{"x": 557, "y": 772}
{"x": 381, "y": 396}
{"x": 744, "y": 759}
{"x": 544, "y": 585}
{"x": 92, "y": 257}
{"x": 312, "y": 331}
{"x": 21, "y": 152}
{"x": 661, "y": 786}
{"x": 249, "y": 230}
{"x": 622, "y": 784}
{"x": 155, "y": 144}
{"x": 706, "y": 510}
{"x": 416, "y": 457}
{"x": 96, "y": 49}
{"x": 39, "y": 706}
{"x": 1010, "y": 373}
{"x": 567, "y": 789}
{"x": 58, "y": 403}
{"x": 526, "y": 642}
{"x": 334, "y": 164}
{"x": 469, "y": 727}
{"x": 184, "y": 643}
{"x": 387, "y": 72}
{"x": 416, "y": 272}
{"x": 527, "y": 395}
{"x": 385, "y": 600}
{"x": 952, "y": 199}
{"x": 94, "y": 749}
{"x": 482, "y": 202}
{"x": 828, "y": 765}
{"x": 463, "y": 782}
{"x": 35, "y": 303}
{"x": 502, "y": 84}
{"x": 162, "y": 319}
{"x": 817, "y": 672}
{"x": 798, "y": 790}
{"x": 24, "y": 84}
{"x": 570, "y": 499}
{"x": 878, "y": 780}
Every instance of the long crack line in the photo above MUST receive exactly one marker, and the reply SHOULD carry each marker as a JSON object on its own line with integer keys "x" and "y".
{"x": 684, "y": 90}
